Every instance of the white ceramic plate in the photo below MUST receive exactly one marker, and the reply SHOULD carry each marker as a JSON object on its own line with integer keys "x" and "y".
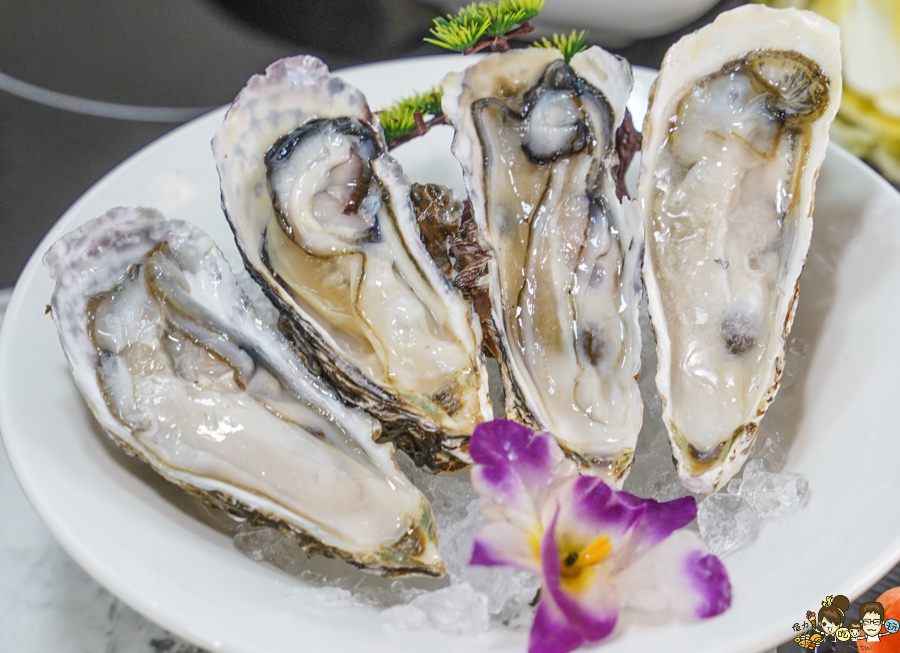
{"x": 126, "y": 529}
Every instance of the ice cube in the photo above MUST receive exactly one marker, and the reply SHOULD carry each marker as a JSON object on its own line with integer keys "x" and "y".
{"x": 727, "y": 522}
{"x": 498, "y": 584}
{"x": 457, "y": 609}
{"x": 455, "y": 538}
{"x": 501, "y": 585}
{"x": 774, "y": 495}
{"x": 518, "y": 612}
{"x": 405, "y": 617}
{"x": 653, "y": 474}
{"x": 448, "y": 494}
{"x": 257, "y": 543}
{"x": 647, "y": 377}
{"x": 798, "y": 347}
{"x": 770, "y": 454}
{"x": 795, "y": 363}
{"x": 753, "y": 468}
{"x": 734, "y": 486}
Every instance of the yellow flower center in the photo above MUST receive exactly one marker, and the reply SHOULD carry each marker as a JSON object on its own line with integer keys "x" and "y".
{"x": 573, "y": 563}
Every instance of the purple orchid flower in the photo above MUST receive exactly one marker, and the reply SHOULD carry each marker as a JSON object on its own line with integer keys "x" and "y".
{"x": 596, "y": 549}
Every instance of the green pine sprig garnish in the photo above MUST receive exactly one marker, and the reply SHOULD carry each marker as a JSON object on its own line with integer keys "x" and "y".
{"x": 457, "y": 34}
{"x": 500, "y": 22}
{"x": 483, "y": 24}
{"x": 531, "y": 7}
{"x": 406, "y": 118}
{"x": 396, "y": 124}
{"x": 568, "y": 45}
{"x": 503, "y": 16}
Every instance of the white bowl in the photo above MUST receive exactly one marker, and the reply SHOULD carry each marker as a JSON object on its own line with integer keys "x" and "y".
{"x": 613, "y": 23}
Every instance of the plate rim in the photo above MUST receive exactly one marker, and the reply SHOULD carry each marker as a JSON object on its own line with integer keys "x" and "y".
{"x": 103, "y": 574}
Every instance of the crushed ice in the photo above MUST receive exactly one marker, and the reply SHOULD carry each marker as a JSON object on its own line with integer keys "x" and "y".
{"x": 457, "y": 609}
{"x": 470, "y": 598}
{"x": 467, "y": 600}
{"x": 729, "y": 519}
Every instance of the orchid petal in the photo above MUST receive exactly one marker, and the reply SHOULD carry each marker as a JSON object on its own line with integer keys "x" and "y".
{"x": 516, "y": 470}
{"x": 678, "y": 575}
{"x": 509, "y": 457}
{"x": 586, "y": 606}
{"x": 634, "y": 525}
{"x": 594, "y": 547}
{"x": 502, "y": 543}
{"x": 551, "y": 632}
{"x": 593, "y": 507}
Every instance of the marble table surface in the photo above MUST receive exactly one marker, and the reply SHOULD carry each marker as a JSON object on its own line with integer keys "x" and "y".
{"x": 47, "y": 603}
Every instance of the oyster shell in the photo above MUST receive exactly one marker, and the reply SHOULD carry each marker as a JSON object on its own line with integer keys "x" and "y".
{"x": 324, "y": 221}
{"x": 177, "y": 368}
{"x": 536, "y": 140}
{"x": 733, "y": 140}
{"x": 454, "y": 243}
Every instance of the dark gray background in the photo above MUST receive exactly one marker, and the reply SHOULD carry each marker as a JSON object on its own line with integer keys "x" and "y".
{"x": 175, "y": 53}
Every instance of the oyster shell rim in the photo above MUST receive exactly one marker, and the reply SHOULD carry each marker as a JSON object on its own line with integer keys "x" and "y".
{"x": 467, "y": 148}
{"x": 733, "y": 35}
{"x": 430, "y": 444}
{"x": 142, "y": 231}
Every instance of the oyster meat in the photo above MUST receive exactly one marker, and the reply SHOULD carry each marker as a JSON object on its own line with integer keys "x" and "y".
{"x": 172, "y": 360}
{"x": 536, "y": 140}
{"x": 733, "y": 140}
{"x": 324, "y": 220}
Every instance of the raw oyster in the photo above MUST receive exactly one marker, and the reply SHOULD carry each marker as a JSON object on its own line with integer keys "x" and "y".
{"x": 733, "y": 140}
{"x": 324, "y": 221}
{"x": 175, "y": 365}
{"x": 536, "y": 140}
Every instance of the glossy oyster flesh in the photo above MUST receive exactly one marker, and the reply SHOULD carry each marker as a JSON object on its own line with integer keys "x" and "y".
{"x": 536, "y": 140}
{"x": 175, "y": 365}
{"x": 733, "y": 141}
{"x": 324, "y": 221}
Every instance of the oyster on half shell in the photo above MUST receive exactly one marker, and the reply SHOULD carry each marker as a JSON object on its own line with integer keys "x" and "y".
{"x": 733, "y": 141}
{"x": 324, "y": 221}
{"x": 536, "y": 140}
{"x": 172, "y": 360}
